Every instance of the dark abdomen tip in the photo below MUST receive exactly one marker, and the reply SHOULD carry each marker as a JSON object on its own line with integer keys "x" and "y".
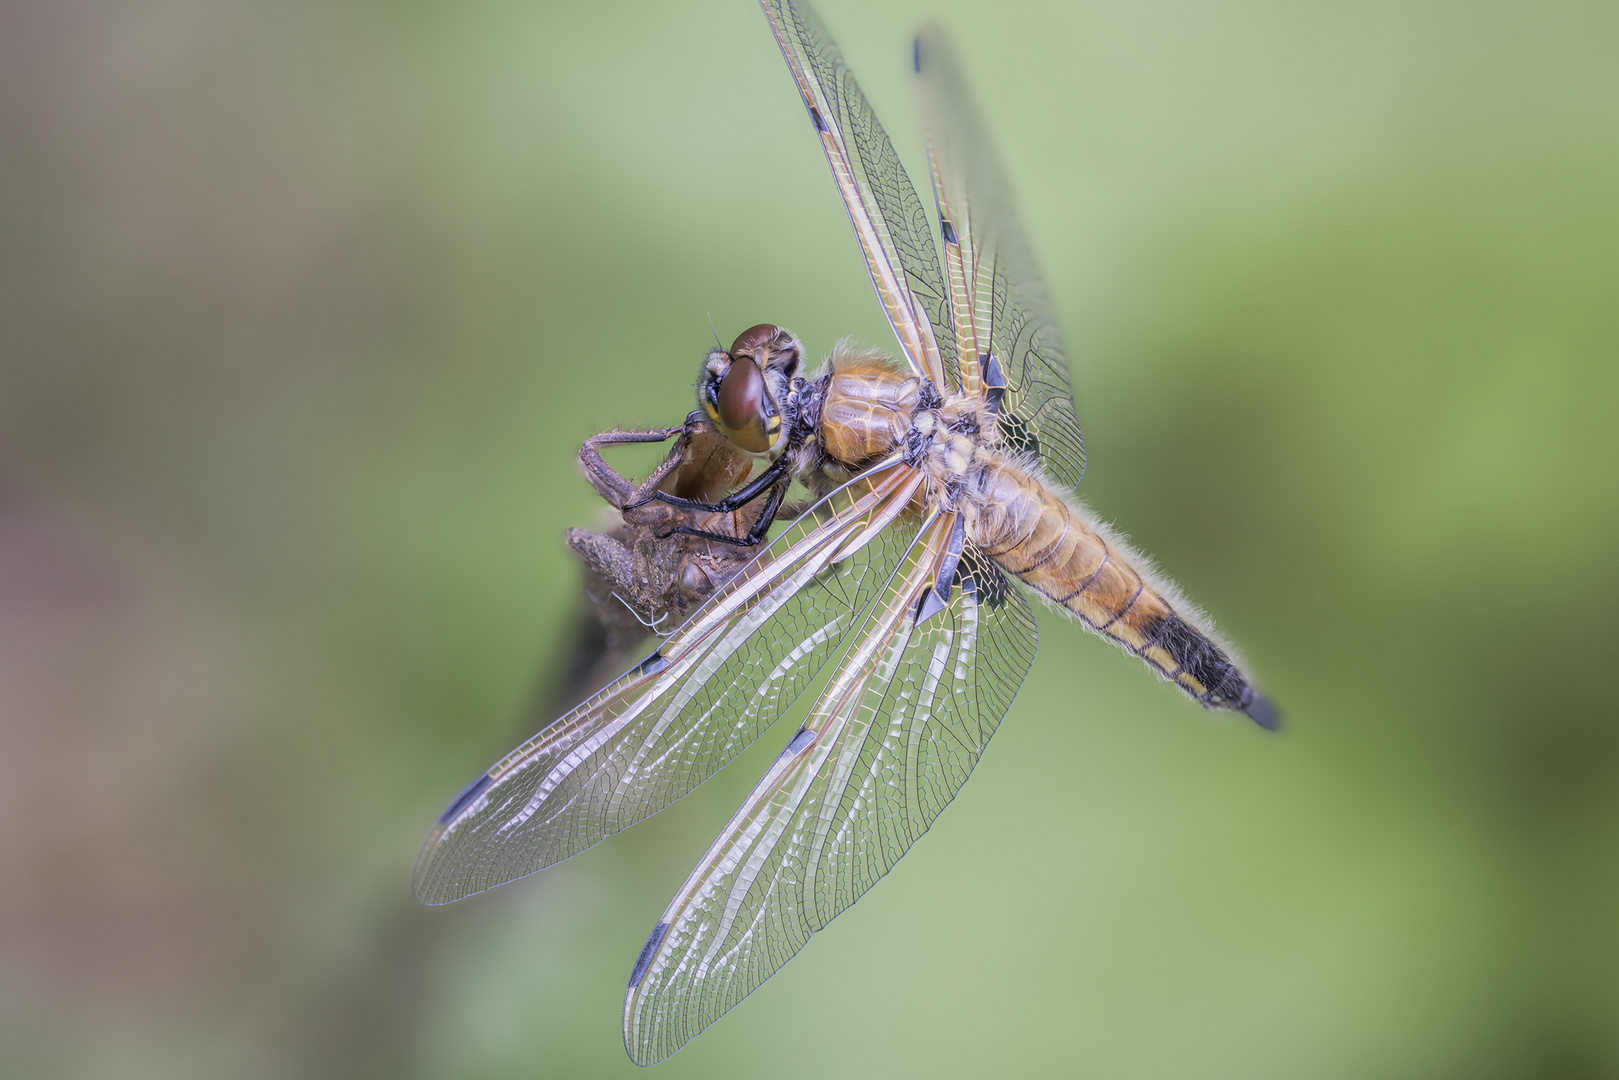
{"x": 1224, "y": 686}
{"x": 1263, "y": 711}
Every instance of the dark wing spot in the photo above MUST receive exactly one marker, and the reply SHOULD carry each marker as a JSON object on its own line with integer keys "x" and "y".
{"x": 949, "y": 231}
{"x": 1017, "y": 434}
{"x": 473, "y": 790}
{"x": 928, "y": 605}
{"x": 994, "y": 381}
{"x": 797, "y": 743}
{"x": 952, "y": 556}
{"x": 815, "y": 117}
{"x": 982, "y": 578}
{"x": 654, "y": 664}
{"x": 993, "y": 376}
{"x": 648, "y": 951}
{"x": 937, "y": 598}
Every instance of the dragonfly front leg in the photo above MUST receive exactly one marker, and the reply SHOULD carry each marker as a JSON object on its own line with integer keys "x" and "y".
{"x": 772, "y": 485}
{"x": 756, "y": 532}
{"x": 614, "y": 487}
{"x": 773, "y": 476}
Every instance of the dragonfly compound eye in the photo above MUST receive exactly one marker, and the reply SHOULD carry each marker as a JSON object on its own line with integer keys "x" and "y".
{"x": 740, "y": 406}
{"x": 754, "y": 338}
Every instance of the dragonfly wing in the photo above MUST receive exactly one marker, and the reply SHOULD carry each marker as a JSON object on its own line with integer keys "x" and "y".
{"x": 711, "y": 688}
{"x": 890, "y": 741}
{"x": 1002, "y": 311}
{"x": 889, "y": 220}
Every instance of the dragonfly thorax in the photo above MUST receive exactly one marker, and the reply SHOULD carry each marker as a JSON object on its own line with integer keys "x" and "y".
{"x": 865, "y": 409}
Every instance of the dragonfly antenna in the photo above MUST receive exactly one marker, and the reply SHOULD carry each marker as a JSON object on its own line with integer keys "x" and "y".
{"x": 717, "y": 342}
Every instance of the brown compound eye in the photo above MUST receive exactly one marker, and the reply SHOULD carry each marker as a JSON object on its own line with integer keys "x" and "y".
{"x": 749, "y": 341}
{"x": 741, "y": 405}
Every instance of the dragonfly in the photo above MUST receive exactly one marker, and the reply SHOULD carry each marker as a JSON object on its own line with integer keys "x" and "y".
{"x": 941, "y": 483}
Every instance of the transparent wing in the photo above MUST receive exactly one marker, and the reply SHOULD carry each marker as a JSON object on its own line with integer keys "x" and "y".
{"x": 889, "y": 219}
{"x": 890, "y": 741}
{"x": 710, "y": 690}
{"x": 1004, "y": 330}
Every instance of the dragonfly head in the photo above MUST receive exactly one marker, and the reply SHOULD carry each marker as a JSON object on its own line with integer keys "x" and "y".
{"x": 741, "y": 389}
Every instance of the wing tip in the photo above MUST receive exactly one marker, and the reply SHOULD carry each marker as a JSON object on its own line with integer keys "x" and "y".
{"x": 422, "y": 888}
{"x": 427, "y": 900}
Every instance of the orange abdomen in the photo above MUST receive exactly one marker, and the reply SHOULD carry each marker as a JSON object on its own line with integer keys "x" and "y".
{"x": 1032, "y": 532}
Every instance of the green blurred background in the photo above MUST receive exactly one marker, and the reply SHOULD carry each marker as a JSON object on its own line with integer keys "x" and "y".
{"x": 306, "y": 307}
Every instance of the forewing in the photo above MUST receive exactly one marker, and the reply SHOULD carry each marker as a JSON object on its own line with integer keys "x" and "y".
{"x": 710, "y": 690}
{"x": 1002, "y": 310}
{"x": 888, "y": 218}
{"x": 890, "y": 741}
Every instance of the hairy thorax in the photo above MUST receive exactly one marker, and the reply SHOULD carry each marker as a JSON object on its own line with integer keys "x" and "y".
{"x": 867, "y": 410}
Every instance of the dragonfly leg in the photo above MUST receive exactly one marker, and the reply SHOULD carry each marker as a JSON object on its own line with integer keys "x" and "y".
{"x": 765, "y": 481}
{"x": 612, "y": 485}
{"x": 755, "y": 534}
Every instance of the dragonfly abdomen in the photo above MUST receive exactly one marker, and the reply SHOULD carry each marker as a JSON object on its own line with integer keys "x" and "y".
{"x": 1059, "y": 550}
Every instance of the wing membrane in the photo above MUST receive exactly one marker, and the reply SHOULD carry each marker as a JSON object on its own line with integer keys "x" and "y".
{"x": 656, "y": 733}
{"x": 1001, "y": 309}
{"x": 889, "y": 219}
{"x": 889, "y": 743}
